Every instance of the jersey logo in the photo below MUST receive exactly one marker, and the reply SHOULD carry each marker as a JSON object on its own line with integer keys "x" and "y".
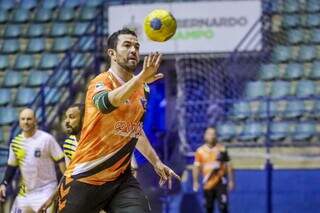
{"x": 37, "y": 153}
{"x": 99, "y": 87}
{"x": 128, "y": 129}
{"x": 146, "y": 88}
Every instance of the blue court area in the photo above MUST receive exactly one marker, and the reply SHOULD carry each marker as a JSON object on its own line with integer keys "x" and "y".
{"x": 292, "y": 191}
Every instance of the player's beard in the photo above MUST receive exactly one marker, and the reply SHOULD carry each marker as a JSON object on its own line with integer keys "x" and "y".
{"x": 126, "y": 65}
{"x": 212, "y": 142}
{"x": 72, "y": 130}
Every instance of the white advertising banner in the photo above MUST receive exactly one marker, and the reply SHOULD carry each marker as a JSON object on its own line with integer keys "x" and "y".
{"x": 203, "y": 27}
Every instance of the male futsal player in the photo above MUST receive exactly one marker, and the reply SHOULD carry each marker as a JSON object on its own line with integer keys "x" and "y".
{"x": 72, "y": 125}
{"x": 213, "y": 160}
{"x": 34, "y": 153}
{"x": 99, "y": 175}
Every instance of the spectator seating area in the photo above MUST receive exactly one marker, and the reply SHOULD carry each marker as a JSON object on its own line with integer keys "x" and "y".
{"x": 282, "y": 102}
{"x": 36, "y": 36}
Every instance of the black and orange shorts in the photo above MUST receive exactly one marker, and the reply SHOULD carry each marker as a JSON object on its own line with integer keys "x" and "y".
{"x": 121, "y": 195}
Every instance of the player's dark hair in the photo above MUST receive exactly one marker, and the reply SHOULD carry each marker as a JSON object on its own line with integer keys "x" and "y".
{"x": 111, "y": 42}
{"x": 113, "y": 38}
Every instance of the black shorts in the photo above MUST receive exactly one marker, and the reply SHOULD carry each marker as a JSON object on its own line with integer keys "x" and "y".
{"x": 123, "y": 195}
{"x": 219, "y": 193}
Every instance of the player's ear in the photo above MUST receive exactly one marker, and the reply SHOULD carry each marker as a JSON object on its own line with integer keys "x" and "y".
{"x": 111, "y": 53}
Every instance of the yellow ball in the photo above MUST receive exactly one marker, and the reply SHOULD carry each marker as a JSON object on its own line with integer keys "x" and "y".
{"x": 160, "y": 25}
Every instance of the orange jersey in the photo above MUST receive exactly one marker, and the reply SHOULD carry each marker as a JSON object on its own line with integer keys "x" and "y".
{"x": 209, "y": 158}
{"x": 107, "y": 140}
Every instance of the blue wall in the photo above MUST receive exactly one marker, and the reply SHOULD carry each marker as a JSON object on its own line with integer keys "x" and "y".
{"x": 293, "y": 191}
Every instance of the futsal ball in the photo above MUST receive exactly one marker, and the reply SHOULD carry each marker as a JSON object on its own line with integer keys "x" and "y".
{"x": 160, "y": 25}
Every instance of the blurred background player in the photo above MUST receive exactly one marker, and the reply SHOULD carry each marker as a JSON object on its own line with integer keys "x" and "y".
{"x": 34, "y": 153}
{"x": 213, "y": 161}
{"x": 112, "y": 127}
{"x": 72, "y": 125}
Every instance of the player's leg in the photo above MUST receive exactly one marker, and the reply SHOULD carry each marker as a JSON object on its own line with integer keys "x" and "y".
{"x": 222, "y": 196}
{"x": 14, "y": 206}
{"x": 39, "y": 197}
{"x": 209, "y": 196}
{"x": 22, "y": 210}
{"x": 129, "y": 198}
{"x": 19, "y": 206}
{"x": 77, "y": 197}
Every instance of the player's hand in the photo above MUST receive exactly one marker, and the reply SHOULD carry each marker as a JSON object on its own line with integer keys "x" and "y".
{"x": 48, "y": 203}
{"x": 150, "y": 68}
{"x": 230, "y": 186}
{"x": 195, "y": 186}
{"x": 3, "y": 192}
{"x": 165, "y": 174}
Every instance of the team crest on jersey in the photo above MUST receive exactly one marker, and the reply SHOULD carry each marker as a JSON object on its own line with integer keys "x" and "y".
{"x": 99, "y": 87}
{"x": 146, "y": 88}
{"x": 37, "y": 153}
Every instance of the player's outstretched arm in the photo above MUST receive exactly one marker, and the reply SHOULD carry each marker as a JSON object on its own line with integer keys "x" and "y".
{"x": 165, "y": 173}
{"x": 148, "y": 74}
{"x": 195, "y": 176}
{"x": 231, "y": 181}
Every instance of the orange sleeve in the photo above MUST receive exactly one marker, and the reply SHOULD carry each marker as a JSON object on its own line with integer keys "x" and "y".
{"x": 99, "y": 84}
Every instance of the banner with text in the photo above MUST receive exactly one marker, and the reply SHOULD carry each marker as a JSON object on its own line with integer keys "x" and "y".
{"x": 203, "y": 27}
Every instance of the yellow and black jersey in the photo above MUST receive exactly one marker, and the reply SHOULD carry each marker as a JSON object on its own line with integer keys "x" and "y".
{"x": 69, "y": 147}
